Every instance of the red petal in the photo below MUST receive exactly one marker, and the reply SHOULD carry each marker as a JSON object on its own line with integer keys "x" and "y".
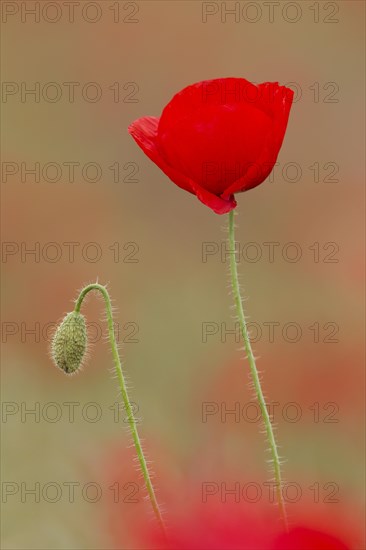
{"x": 214, "y": 144}
{"x": 217, "y": 204}
{"x": 219, "y": 91}
{"x": 276, "y": 101}
{"x": 144, "y": 131}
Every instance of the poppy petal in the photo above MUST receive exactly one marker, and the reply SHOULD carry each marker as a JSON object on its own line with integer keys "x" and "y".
{"x": 145, "y": 132}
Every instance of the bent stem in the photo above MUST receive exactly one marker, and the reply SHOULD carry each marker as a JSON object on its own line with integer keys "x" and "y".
{"x": 254, "y": 371}
{"x": 126, "y": 400}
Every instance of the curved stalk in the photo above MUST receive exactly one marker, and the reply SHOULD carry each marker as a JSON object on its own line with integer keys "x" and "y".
{"x": 254, "y": 371}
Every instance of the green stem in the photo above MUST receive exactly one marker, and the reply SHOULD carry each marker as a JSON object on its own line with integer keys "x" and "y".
{"x": 126, "y": 400}
{"x": 253, "y": 370}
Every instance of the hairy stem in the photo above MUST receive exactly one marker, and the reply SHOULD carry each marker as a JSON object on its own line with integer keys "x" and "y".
{"x": 254, "y": 371}
{"x": 126, "y": 400}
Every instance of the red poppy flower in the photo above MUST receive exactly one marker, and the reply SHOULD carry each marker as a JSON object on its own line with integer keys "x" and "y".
{"x": 236, "y": 529}
{"x": 198, "y": 524}
{"x": 305, "y": 538}
{"x": 217, "y": 137}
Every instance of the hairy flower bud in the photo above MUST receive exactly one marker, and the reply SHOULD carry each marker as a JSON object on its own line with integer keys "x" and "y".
{"x": 69, "y": 343}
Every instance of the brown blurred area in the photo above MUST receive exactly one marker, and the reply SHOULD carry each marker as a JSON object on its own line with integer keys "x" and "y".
{"x": 146, "y": 238}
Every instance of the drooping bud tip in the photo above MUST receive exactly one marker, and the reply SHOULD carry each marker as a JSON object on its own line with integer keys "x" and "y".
{"x": 69, "y": 343}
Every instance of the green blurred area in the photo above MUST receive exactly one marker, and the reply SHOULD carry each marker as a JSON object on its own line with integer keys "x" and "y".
{"x": 169, "y": 295}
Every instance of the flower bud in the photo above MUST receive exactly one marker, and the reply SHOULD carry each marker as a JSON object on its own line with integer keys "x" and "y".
{"x": 69, "y": 343}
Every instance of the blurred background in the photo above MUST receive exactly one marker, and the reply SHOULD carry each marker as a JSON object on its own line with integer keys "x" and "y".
{"x": 81, "y": 202}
